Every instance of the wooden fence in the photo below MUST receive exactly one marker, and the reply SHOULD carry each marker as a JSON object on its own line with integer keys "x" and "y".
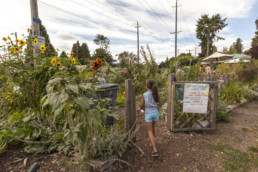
{"x": 179, "y": 121}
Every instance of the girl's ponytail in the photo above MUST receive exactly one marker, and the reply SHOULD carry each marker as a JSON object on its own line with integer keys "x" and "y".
{"x": 151, "y": 85}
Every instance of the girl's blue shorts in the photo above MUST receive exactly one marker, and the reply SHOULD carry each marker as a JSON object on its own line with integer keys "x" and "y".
{"x": 149, "y": 117}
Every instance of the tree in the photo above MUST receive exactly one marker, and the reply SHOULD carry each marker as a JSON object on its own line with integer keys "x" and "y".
{"x": 81, "y": 52}
{"x": 50, "y": 50}
{"x": 206, "y": 31}
{"x": 102, "y": 41}
{"x": 102, "y": 52}
{"x": 236, "y": 47}
{"x": 126, "y": 58}
{"x": 63, "y": 54}
{"x": 254, "y": 49}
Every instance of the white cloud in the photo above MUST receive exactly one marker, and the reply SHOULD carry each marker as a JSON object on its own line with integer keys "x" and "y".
{"x": 82, "y": 20}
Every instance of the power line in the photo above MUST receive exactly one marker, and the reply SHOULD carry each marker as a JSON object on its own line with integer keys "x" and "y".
{"x": 154, "y": 16}
{"x": 99, "y": 12}
{"x": 165, "y": 9}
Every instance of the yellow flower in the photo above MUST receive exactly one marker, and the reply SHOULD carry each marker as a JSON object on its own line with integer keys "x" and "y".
{"x": 53, "y": 61}
{"x": 74, "y": 61}
{"x": 90, "y": 75}
{"x": 196, "y": 65}
{"x": 9, "y": 67}
{"x": 28, "y": 29}
{"x": 11, "y": 51}
{"x": 22, "y": 43}
{"x": 58, "y": 64}
{"x": 9, "y": 38}
{"x": 16, "y": 49}
{"x": 10, "y": 100}
{"x": 9, "y": 94}
{"x": 42, "y": 48}
{"x": 35, "y": 41}
{"x": 14, "y": 69}
{"x": 100, "y": 79}
{"x": 17, "y": 40}
{"x": 71, "y": 54}
{"x": 4, "y": 38}
{"x": 1, "y": 77}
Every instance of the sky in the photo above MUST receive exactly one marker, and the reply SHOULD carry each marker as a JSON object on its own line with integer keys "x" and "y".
{"x": 70, "y": 20}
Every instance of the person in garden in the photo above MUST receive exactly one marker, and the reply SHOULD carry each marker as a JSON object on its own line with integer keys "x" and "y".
{"x": 201, "y": 69}
{"x": 151, "y": 100}
{"x": 208, "y": 69}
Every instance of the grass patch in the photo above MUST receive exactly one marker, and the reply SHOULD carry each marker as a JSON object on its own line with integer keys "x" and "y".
{"x": 234, "y": 159}
{"x": 253, "y": 148}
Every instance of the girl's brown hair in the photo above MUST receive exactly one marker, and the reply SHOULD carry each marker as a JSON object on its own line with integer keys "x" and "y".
{"x": 152, "y": 86}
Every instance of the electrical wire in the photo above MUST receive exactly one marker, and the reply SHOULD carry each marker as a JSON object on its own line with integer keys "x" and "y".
{"x": 165, "y": 8}
{"x": 160, "y": 21}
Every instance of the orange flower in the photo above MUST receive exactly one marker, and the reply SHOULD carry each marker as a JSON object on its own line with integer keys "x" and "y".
{"x": 96, "y": 64}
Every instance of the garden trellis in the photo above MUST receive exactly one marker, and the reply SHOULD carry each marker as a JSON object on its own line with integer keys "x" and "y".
{"x": 177, "y": 120}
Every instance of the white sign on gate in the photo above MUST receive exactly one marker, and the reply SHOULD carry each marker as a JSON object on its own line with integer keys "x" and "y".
{"x": 195, "y": 98}
{"x": 41, "y": 41}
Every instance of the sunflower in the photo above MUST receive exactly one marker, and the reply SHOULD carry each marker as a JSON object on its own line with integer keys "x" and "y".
{"x": 28, "y": 29}
{"x": 196, "y": 65}
{"x": 16, "y": 49}
{"x": 99, "y": 62}
{"x": 53, "y": 61}
{"x": 74, "y": 60}
{"x": 96, "y": 64}
{"x": 35, "y": 41}
{"x": 10, "y": 100}
{"x": 90, "y": 75}
{"x": 9, "y": 67}
{"x": 22, "y": 43}
{"x": 42, "y": 48}
{"x": 4, "y": 38}
{"x": 17, "y": 40}
{"x": 71, "y": 54}
{"x": 100, "y": 79}
{"x": 8, "y": 94}
{"x": 58, "y": 64}
{"x": 9, "y": 38}
{"x": 11, "y": 51}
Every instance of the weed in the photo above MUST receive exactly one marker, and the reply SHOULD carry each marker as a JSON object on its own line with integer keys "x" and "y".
{"x": 234, "y": 159}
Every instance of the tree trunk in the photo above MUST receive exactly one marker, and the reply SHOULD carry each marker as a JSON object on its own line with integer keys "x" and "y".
{"x": 208, "y": 45}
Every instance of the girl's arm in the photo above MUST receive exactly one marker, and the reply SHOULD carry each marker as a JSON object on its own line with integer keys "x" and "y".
{"x": 142, "y": 104}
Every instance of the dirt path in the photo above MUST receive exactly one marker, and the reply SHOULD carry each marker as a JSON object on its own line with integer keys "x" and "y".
{"x": 191, "y": 151}
{"x": 180, "y": 152}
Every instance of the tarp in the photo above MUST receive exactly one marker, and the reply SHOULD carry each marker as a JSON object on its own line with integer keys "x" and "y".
{"x": 217, "y": 57}
{"x": 237, "y": 61}
{"x": 241, "y": 56}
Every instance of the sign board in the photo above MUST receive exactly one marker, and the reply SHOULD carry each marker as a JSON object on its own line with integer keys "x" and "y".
{"x": 195, "y": 98}
{"x": 36, "y": 20}
{"x": 41, "y": 41}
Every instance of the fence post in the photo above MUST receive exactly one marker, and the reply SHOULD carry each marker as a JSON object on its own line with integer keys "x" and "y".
{"x": 130, "y": 106}
{"x": 214, "y": 95}
{"x": 171, "y": 79}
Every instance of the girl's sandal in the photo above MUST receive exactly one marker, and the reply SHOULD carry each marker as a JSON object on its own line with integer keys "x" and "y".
{"x": 155, "y": 154}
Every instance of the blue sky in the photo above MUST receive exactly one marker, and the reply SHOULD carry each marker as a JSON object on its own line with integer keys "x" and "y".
{"x": 70, "y": 20}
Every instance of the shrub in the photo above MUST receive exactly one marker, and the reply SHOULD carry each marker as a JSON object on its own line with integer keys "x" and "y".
{"x": 221, "y": 114}
{"x": 247, "y": 75}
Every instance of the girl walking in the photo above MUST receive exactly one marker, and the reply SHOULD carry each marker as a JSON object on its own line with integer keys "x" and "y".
{"x": 150, "y": 100}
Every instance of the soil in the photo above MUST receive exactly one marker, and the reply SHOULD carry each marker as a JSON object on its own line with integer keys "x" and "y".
{"x": 180, "y": 152}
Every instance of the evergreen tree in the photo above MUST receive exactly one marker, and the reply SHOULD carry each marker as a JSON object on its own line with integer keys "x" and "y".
{"x": 50, "y": 50}
{"x": 254, "y": 49}
{"x": 63, "y": 54}
{"x": 206, "y": 31}
{"x": 81, "y": 52}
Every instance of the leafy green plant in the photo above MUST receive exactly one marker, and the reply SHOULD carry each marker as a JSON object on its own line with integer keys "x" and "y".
{"x": 222, "y": 114}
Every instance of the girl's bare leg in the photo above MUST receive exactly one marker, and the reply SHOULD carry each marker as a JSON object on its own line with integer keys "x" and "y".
{"x": 150, "y": 134}
{"x": 153, "y": 127}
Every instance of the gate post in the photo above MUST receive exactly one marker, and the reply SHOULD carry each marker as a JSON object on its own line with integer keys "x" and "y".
{"x": 170, "y": 101}
{"x": 130, "y": 106}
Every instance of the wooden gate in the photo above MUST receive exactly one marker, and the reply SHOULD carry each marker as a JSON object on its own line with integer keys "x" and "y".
{"x": 179, "y": 121}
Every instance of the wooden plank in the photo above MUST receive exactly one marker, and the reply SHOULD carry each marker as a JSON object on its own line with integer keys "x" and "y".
{"x": 195, "y": 82}
{"x": 173, "y": 87}
{"x": 192, "y": 129}
{"x": 133, "y": 113}
{"x": 169, "y": 101}
{"x": 129, "y": 103}
{"x": 214, "y": 106}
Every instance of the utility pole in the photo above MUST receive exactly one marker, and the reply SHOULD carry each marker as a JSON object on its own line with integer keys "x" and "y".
{"x": 195, "y": 48}
{"x": 138, "y": 51}
{"x": 34, "y": 17}
{"x": 35, "y": 22}
{"x": 176, "y": 31}
{"x": 189, "y": 51}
